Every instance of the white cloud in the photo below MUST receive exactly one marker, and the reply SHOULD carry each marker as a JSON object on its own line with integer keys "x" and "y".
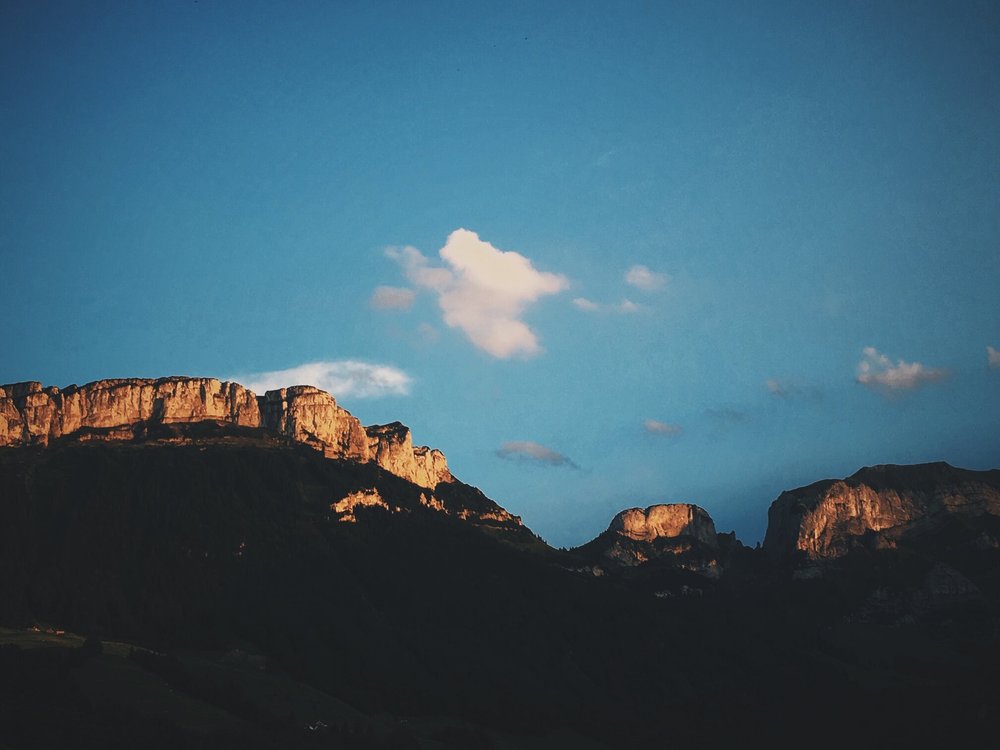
{"x": 526, "y": 449}
{"x": 876, "y": 370}
{"x": 661, "y": 428}
{"x": 341, "y": 379}
{"x": 642, "y": 278}
{"x": 392, "y": 298}
{"x": 993, "y": 358}
{"x": 625, "y": 307}
{"x": 483, "y": 291}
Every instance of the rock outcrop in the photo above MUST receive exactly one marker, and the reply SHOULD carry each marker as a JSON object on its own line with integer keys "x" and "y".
{"x": 875, "y": 507}
{"x": 673, "y": 520}
{"x": 679, "y": 536}
{"x": 31, "y": 414}
{"x": 391, "y": 447}
{"x": 311, "y": 416}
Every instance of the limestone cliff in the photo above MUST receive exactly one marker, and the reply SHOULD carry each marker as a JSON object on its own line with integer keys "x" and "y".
{"x": 31, "y": 414}
{"x": 873, "y": 507}
{"x": 391, "y": 446}
{"x": 673, "y": 520}
{"x": 679, "y": 535}
{"x": 309, "y": 415}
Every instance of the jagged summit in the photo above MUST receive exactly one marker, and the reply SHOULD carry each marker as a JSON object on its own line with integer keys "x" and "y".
{"x": 120, "y": 408}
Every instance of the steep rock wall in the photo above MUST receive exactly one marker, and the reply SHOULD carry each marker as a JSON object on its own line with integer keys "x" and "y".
{"x": 670, "y": 520}
{"x": 31, "y": 414}
{"x": 391, "y": 446}
{"x": 827, "y": 519}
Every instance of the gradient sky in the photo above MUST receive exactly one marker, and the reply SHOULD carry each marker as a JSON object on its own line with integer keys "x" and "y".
{"x": 758, "y": 244}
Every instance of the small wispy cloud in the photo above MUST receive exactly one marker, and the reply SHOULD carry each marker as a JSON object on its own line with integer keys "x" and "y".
{"x": 777, "y": 388}
{"x": 428, "y": 333}
{"x": 625, "y": 307}
{"x": 483, "y": 291}
{"x": 392, "y": 298}
{"x": 604, "y": 158}
{"x": 877, "y": 371}
{"x": 655, "y": 427}
{"x": 341, "y": 379}
{"x": 993, "y": 358}
{"x": 642, "y": 278}
{"x": 788, "y": 389}
{"x": 515, "y": 450}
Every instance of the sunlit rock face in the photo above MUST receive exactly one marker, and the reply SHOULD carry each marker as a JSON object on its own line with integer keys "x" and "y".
{"x": 364, "y": 498}
{"x": 874, "y": 507}
{"x": 309, "y": 415}
{"x": 31, "y": 414}
{"x": 677, "y": 536}
{"x": 673, "y": 520}
{"x": 391, "y": 446}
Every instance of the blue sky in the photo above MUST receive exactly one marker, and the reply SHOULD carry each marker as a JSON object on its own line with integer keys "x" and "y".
{"x": 804, "y": 197}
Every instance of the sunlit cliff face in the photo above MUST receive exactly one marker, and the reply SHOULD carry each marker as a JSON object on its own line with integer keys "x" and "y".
{"x": 673, "y": 520}
{"x": 826, "y": 520}
{"x": 33, "y": 415}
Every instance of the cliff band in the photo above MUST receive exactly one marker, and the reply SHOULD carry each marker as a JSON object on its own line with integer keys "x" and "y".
{"x": 31, "y": 414}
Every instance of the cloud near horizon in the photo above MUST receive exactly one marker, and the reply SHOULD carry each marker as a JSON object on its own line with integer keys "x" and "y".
{"x": 642, "y": 278}
{"x": 392, "y": 298}
{"x": 531, "y": 451}
{"x": 341, "y": 379}
{"x": 656, "y": 427}
{"x": 483, "y": 291}
{"x": 993, "y": 358}
{"x": 877, "y": 371}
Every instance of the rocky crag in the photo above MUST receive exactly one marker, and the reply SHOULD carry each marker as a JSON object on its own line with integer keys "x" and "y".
{"x": 31, "y": 414}
{"x": 669, "y": 520}
{"x": 876, "y": 508}
{"x": 679, "y": 536}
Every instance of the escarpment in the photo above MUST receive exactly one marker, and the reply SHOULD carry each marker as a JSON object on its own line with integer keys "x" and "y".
{"x": 31, "y": 414}
{"x": 874, "y": 508}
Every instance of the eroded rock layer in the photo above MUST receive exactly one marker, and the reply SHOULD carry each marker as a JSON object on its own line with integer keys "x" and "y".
{"x": 31, "y": 414}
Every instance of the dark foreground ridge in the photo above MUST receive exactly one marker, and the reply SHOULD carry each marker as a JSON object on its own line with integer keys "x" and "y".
{"x": 227, "y": 585}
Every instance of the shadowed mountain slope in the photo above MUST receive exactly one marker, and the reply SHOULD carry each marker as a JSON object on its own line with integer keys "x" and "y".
{"x": 425, "y": 605}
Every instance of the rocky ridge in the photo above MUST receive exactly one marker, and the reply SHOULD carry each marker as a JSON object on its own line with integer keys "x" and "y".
{"x": 31, "y": 414}
{"x": 874, "y": 508}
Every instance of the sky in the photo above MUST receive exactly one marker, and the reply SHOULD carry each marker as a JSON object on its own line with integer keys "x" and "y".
{"x": 603, "y": 255}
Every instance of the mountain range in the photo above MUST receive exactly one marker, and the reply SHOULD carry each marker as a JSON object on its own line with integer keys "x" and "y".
{"x": 187, "y": 563}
